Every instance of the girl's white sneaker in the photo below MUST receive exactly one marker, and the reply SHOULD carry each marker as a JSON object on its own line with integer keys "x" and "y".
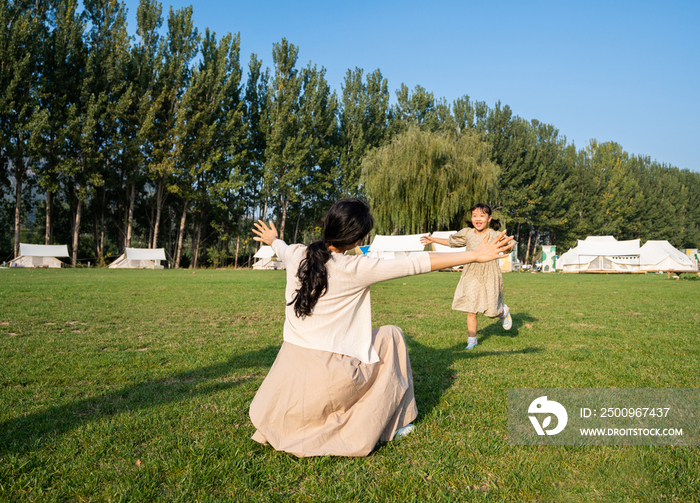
{"x": 507, "y": 320}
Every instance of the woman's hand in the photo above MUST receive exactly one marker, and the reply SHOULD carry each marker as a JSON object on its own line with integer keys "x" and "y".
{"x": 486, "y": 252}
{"x": 426, "y": 240}
{"x": 264, "y": 233}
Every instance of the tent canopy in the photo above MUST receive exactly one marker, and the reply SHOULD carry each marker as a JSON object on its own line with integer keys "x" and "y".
{"x": 605, "y": 253}
{"x": 267, "y": 259}
{"x": 607, "y": 246}
{"x": 43, "y": 250}
{"x": 662, "y": 255}
{"x": 408, "y": 243}
{"x": 139, "y": 258}
{"x": 599, "y": 254}
{"x": 145, "y": 254}
{"x": 391, "y": 247}
{"x": 265, "y": 251}
{"x": 40, "y": 256}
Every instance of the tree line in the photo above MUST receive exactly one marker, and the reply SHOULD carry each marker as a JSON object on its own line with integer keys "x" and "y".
{"x": 166, "y": 140}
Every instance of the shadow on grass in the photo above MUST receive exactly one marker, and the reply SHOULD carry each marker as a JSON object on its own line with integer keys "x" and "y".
{"x": 496, "y": 329}
{"x": 432, "y": 368}
{"x": 28, "y": 432}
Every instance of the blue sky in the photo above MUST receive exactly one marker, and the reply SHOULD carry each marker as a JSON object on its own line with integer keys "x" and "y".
{"x": 618, "y": 71}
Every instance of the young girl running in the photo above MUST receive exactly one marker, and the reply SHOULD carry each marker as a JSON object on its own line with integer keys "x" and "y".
{"x": 480, "y": 289}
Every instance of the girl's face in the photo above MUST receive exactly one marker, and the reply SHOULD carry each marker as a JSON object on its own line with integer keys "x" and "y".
{"x": 480, "y": 220}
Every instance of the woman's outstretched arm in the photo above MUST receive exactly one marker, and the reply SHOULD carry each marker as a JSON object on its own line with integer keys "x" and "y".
{"x": 486, "y": 252}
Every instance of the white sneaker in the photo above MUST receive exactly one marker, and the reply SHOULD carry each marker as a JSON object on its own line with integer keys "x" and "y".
{"x": 507, "y": 320}
{"x": 402, "y": 432}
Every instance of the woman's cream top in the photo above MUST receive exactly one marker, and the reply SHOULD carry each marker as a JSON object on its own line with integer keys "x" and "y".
{"x": 341, "y": 321}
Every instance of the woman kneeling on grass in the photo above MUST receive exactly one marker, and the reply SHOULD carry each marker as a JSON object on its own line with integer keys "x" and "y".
{"x": 337, "y": 387}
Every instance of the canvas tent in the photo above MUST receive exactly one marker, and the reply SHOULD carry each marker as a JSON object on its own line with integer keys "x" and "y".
{"x": 663, "y": 256}
{"x": 139, "y": 258}
{"x": 267, "y": 260}
{"x": 40, "y": 256}
{"x": 601, "y": 254}
{"x": 390, "y": 247}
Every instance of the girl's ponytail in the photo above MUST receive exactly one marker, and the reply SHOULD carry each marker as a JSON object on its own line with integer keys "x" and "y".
{"x": 313, "y": 278}
{"x": 347, "y": 222}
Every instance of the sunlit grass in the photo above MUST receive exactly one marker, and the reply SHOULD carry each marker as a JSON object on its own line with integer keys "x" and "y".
{"x": 135, "y": 385}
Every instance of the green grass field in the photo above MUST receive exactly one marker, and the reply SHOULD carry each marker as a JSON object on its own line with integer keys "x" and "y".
{"x": 130, "y": 385}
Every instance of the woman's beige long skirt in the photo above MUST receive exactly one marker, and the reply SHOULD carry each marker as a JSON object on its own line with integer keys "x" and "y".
{"x": 316, "y": 403}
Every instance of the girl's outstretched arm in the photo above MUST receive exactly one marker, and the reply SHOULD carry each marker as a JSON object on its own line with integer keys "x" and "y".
{"x": 425, "y": 240}
{"x": 486, "y": 252}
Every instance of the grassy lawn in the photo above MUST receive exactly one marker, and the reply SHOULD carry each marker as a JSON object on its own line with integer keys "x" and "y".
{"x": 123, "y": 385}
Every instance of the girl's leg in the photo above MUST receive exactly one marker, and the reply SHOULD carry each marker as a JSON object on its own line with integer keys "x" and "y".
{"x": 471, "y": 329}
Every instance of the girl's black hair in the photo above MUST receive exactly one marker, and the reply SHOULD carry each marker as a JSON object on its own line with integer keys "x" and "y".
{"x": 494, "y": 223}
{"x": 347, "y": 222}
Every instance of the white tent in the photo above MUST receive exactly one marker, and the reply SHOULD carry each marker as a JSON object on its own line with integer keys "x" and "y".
{"x": 139, "y": 258}
{"x": 267, "y": 259}
{"x": 390, "y": 247}
{"x": 40, "y": 256}
{"x": 662, "y": 256}
{"x": 601, "y": 254}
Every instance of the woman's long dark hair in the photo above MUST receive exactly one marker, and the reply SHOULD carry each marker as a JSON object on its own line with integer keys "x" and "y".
{"x": 494, "y": 223}
{"x": 347, "y": 222}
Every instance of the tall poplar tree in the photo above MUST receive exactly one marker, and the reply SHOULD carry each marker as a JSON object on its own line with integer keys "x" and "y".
{"x": 213, "y": 132}
{"x": 317, "y": 128}
{"x": 363, "y": 125}
{"x": 413, "y": 108}
{"x": 252, "y": 192}
{"x": 94, "y": 123}
{"x": 181, "y": 46}
{"x": 21, "y": 119}
{"x": 145, "y": 67}
{"x": 63, "y": 68}
{"x": 285, "y": 148}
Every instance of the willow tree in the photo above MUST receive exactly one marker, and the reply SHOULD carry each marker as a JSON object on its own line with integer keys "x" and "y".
{"x": 425, "y": 180}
